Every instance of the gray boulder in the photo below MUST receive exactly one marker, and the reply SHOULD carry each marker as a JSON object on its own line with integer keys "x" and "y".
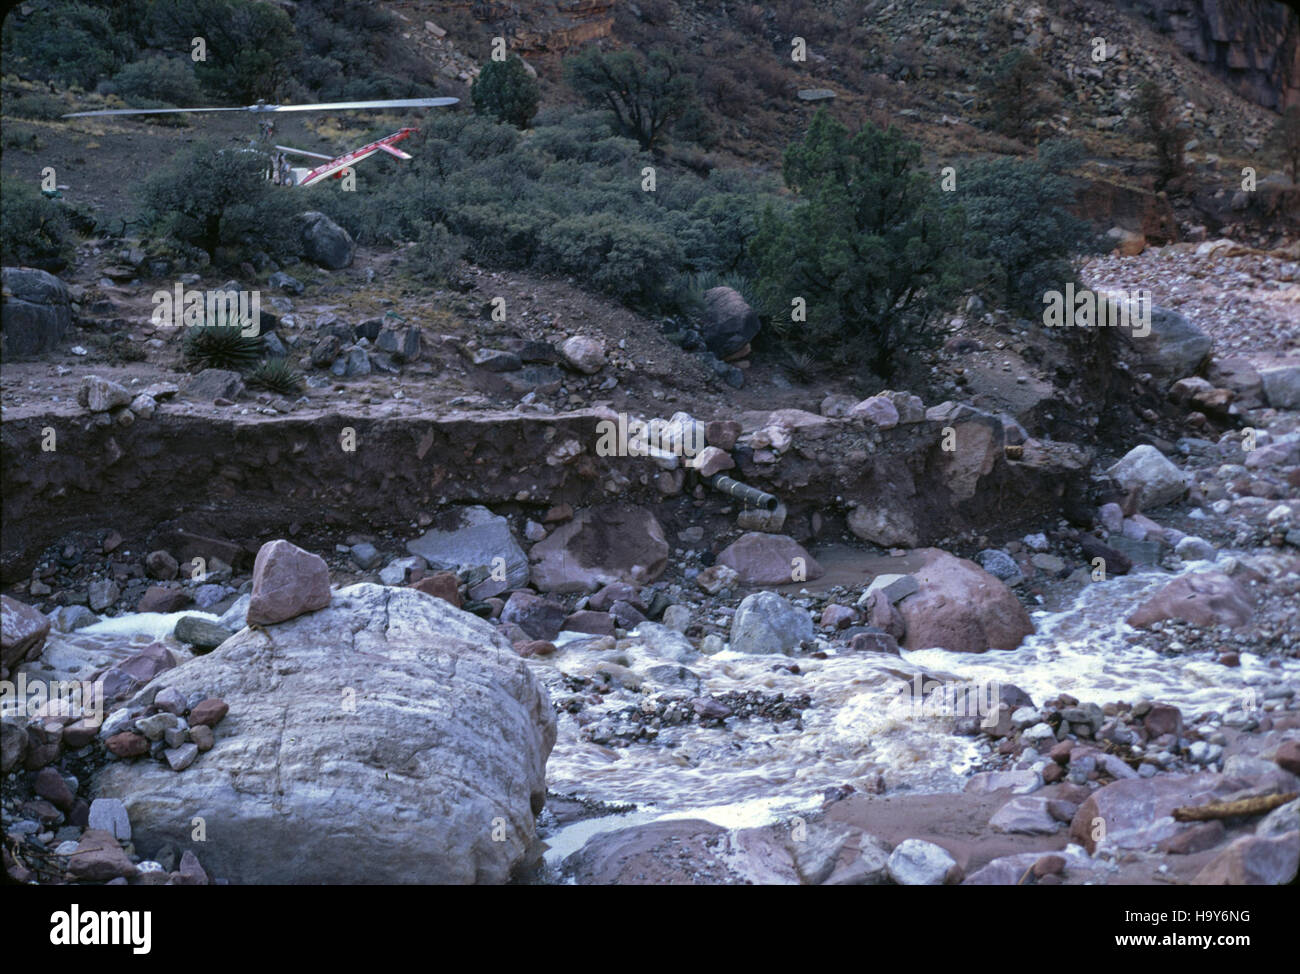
{"x": 200, "y": 633}
{"x": 729, "y": 321}
{"x": 389, "y": 738}
{"x": 1282, "y": 386}
{"x": 1146, "y": 468}
{"x": 767, "y": 623}
{"x": 211, "y": 384}
{"x": 471, "y": 539}
{"x": 915, "y": 862}
{"x": 1000, "y": 565}
{"x": 324, "y": 242}
{"x": 1175, "y": 346}
{"x": 600, "y": 546}
{"x": 36, "y": 314}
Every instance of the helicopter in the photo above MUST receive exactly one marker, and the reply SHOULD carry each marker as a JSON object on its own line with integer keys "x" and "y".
{"x": 280, "y": 172}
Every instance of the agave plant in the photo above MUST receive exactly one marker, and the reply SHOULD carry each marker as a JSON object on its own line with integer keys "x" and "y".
{"x": 221, "y": 347}
{"x": 276, "y": 375}
{"x": 801, "y": 366}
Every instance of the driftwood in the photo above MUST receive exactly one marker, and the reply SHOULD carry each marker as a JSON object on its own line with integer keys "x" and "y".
{"x": 1244, "y": 806}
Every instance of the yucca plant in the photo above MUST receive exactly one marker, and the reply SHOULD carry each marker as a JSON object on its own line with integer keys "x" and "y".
{"x": 221, "y": 347}
{"x": 276, "y": 375}
{"x": 801, "y": 366}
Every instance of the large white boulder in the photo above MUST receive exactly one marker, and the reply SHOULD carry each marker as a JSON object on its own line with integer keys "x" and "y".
{"x": 1158, "y": 479}
{"x": 388, "y": 738}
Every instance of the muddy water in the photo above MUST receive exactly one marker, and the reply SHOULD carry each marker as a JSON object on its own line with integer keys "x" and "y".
{"x": 858, "y": 725}
{"x": 856, "y": 728}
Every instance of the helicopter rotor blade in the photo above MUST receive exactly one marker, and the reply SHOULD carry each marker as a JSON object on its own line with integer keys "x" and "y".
{"x": 337, "y": 106}
{"x": 348, "y": 105}
{"x": 303, "y": 152}
{"x": 148, "y": 111}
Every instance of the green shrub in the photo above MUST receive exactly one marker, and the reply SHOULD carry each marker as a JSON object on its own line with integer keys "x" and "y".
{"x": 220, "y": 346}
{"x": 158, "y": 81}
{"x": 249, "y": 46}
{"x": 120, "y": 349}
{"x": 1016, "y": 93}
{"x": 436, "y": 253}
{"x": 869, "y": 246}
{"x": 211, "y": 197}
{"x": 505, "y": 91}
{"x": 1019, "y": 233}
{"x": 11, "y": 138}
{"x": 1284, "y": 139}
{"x": 627, "y": 258}
{"x": 33, "y": 229}
{"x": 1158, "y": 125}
{"x": 34, "y": 104}
{"x": 567, "y": 199}
{"x": 71, "y": 43}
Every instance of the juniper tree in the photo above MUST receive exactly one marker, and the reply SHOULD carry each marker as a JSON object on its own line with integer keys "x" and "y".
{"x": 644, "y": 94}
{"x": 504, "y": 90}
{"x": 868, "y": 246}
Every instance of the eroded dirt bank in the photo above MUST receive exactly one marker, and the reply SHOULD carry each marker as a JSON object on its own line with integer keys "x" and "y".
{"x": 242, "y": 478}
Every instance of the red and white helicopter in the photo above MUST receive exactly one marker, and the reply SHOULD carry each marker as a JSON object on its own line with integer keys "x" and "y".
{"x": 280, "y": 172}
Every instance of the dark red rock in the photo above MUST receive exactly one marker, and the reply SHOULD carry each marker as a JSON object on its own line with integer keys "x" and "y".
{"x": 161, "y": 598}
{"x": 884, "y": 615}
{"x": 98, "y": 858}
{"x": 1253, "y": 860}
{"x": 534, "y": 647}
{"x": 127, "y": 744}
{"x": 41, "y": 811}
{"x": 441, "y": 585}
{"x": 626, "y": 615}
{"x": 44, "y": 742}
{"x": 540, "y": 618}
{"x": 1049, "y": 866}
{"x": 595, "y": 623}
{"x": 1053, "y": 773}
{"x": 1201, "y": 598}
{"x": 1163, "y": 718}
{"x": 722, "y": 433}
{"x": 837, "y": 616}
{"x": 209, "y": 712}
{"x": 605, "y": 598}
{"x": 50, "y": 784}
{"x": 189, "y": 872}
{"x": 1287, "y": 756}
{"x": 874, "y": 642}
{"x": 1062, "y": 809}
{"x": 161, "y": 565}
{"x": 961, "y": 607}
{"x": 287, "y": 582}
{"x": 80, "y": 814}
{"x": 15, "y": 870}
{"x": 1198, "y": 838}
{"x": 80, "y": 733}
{"x": 23, "y": 629}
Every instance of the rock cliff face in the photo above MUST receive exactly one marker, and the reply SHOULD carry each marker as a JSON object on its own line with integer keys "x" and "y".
{"x": 1254, "y": 44}
{"x": 552, "y": 27}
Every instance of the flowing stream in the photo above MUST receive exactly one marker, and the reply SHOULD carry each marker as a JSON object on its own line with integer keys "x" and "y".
{"x": 857, "y": 726}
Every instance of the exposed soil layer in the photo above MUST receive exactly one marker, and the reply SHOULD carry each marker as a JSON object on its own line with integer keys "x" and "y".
{"x": 244, "y": 478}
